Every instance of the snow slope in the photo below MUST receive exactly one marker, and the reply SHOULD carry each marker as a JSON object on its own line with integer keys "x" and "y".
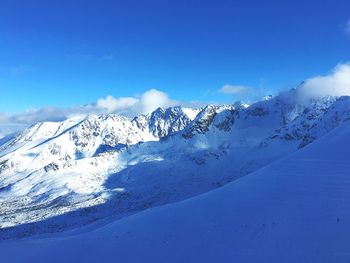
{"x": 296, "y": 209}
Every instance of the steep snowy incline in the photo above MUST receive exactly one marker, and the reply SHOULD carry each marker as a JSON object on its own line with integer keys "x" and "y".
{"x": 294, "y": 210}
{"x": 55, "y": 167}
{"x": 37, "y": 184}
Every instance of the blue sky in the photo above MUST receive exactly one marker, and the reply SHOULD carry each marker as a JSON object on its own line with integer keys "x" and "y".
{"x": 65, "y": 53}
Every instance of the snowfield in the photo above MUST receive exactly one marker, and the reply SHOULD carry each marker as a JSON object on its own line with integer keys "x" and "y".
{"x": 294, "y": 210}
{"x": 230, "y": 183}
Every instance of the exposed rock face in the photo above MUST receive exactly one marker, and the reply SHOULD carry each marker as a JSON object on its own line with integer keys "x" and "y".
{"x": 51, "y": 167}
{"x": 202, "y": 122}
{"x": 315, "y": 120}
{"x": 163, "y": 122}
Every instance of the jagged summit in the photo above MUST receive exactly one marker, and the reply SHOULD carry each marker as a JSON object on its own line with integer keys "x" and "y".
{"x": 163, "y": 122}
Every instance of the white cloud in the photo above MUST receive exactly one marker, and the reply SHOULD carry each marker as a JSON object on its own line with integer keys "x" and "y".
{"x": 234, "y": 89}
{"x": 112, "y": 104}
{"x": 337, "y": 83}
{"x": 132, "y": 106}
{"x": 153, "y": 99}
{"x": 243, "y": 93}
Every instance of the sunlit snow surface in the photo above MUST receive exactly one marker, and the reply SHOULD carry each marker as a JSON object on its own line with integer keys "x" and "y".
{"x": 75, "y": 166}
{"x": 293, "y": 210}
{"x": 60, "y": 179}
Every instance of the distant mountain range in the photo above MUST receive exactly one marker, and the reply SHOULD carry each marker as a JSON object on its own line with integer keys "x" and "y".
{"x": 57, "y": 176}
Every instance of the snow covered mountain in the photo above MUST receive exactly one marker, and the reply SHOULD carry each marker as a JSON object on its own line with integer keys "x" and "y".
{"x": 294, "y": 210}
{"x": 56, "y": 176}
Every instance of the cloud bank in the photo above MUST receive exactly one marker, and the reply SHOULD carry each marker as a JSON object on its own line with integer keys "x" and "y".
{"x": 111, "y": 104}
{"x": 337, "y": 83}
{"x": 243, "y": 93}
{"x": 131, "y": 106}
{"x": 235, "y": 89}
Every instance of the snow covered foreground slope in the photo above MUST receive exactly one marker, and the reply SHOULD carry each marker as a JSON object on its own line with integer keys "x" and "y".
{"x": 294, "y": 210}
{"x": 62, "y": 176}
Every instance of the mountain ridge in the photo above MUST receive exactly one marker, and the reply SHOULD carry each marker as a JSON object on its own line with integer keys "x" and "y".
{"x": 99, "y": 160}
